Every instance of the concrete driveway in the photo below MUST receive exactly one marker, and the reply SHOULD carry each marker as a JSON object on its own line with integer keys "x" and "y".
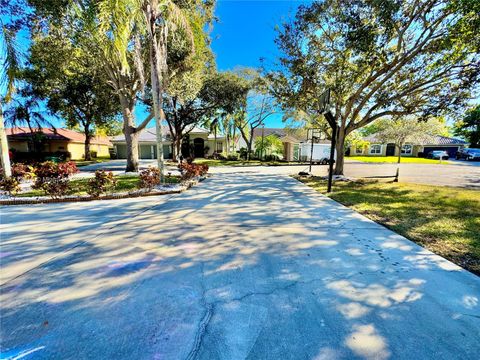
{"x": 243, "y": 266}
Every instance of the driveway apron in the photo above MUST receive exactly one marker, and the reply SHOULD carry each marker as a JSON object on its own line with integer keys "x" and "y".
{"x": 242, "y": 266}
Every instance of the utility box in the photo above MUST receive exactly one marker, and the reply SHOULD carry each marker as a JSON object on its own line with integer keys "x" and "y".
{"x": 320, "y": 153}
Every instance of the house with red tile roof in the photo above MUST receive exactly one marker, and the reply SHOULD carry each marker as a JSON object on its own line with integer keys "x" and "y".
{"x": 66, "y": 142}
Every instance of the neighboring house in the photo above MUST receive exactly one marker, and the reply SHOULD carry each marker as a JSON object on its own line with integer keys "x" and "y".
{"x": 290, "y": 139}
{"x": 21, "y": 141}
{"x": 375, "y": 148}
{"x": 198, "y": 143}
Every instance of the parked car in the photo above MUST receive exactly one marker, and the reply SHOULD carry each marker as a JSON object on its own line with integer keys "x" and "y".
{"x": 468, "y": 154}
{"x": 438, "y": 154}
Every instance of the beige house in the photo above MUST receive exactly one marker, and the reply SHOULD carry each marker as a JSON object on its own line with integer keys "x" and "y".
{"x": 290, "y": 139}
{"x": 198, "y": 143}
{"x": 22, "y": 140}
{"x": 376, "y": 148}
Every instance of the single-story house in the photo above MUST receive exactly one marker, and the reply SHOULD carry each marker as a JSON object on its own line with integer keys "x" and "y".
{"x": 376, "y": 148}
{"x": 198, "y": 143}
{"x": 22, "y": 140}
{"x": 290, "y": 139}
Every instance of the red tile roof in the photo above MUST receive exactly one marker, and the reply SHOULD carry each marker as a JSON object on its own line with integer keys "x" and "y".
{"x": 56, "y": 134}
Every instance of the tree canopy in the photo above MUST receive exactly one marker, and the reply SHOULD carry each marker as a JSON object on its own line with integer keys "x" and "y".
{"x": 380, "y": 59}
{"x": 469, "y": 127}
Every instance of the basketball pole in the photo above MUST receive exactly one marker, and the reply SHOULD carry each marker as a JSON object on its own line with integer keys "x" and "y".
{"x": 333, "y": 125}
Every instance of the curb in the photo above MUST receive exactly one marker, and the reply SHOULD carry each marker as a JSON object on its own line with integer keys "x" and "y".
{"x": 27, "y": 201}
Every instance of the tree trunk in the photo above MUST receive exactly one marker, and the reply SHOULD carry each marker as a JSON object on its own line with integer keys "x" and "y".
{"x": 158, "y": 52}
{"x": 174, "y": 149}
{"x": 5, "y": 157}
{"x": 399, "y": 153}
{"x": 131, "y": 135}
{"x": 88, "y": 138}
{"x": 339, "y": 148}
{"x": 88, "y": 155}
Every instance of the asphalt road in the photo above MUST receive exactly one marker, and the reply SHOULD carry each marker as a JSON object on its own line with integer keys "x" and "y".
{"x": 464, "y": 174}
{"x": 242, "y": 266}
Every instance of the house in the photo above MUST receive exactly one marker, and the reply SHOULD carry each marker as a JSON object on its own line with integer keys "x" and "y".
{"x": 48, "y": 141}
{"x": 376, "y": 148}
{"x": 290, "y": 139}
{"x": 198, "y": 142}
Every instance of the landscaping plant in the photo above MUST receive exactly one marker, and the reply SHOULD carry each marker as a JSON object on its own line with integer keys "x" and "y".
{"x": 10, "y": 185}
{"x": 102, "y": 182}
{"x": 192, "y": 170}
{"x": 149, "y": 178}
{"x": 53, "y": 178}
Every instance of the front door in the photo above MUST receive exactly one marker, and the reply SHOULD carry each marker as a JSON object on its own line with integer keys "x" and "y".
{"x": 390, "y": 150}
{"x": 199, "y": 147}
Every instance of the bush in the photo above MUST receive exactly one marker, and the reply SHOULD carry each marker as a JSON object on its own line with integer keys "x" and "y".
{"x": 272, "y": 157}
{"x": 191, "y": 170}
{"x": 10, "y": 185}
{"x": 101, "y": 183}
{"x": 22, "y": 171}
{"x": 149, "y": 178}
{"x": 53, "y": 178}
{"x": 232, "y": 157}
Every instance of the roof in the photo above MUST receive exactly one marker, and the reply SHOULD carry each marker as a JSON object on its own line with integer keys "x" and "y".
{"x": 23, "y": 133}
{"x": 430, "y": 140}
{"x": 150, "y": 134}
{"x": 280, "y": 132}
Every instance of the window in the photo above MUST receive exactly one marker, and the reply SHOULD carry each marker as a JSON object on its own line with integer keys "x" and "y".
{"x": 219, "y": 146}
{"x": 376, "y": 149}
{"x": 359, "y": 150}
{"x": 407, "y": 150}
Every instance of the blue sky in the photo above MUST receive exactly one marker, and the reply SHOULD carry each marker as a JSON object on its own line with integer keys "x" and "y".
{"x": 244, "y": 33}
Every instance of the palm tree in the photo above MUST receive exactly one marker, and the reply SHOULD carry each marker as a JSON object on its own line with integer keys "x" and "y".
{"x": 133, "y": 19}
{"x": 9, "y": 69}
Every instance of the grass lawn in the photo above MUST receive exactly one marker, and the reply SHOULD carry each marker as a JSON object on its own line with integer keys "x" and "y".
{"x": 444, "y": 220}
{"x": 124, "y": 183}
{"x": 394, "y": 159}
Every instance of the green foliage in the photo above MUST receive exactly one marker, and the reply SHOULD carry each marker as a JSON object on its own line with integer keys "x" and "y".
{"x": 469, "y": 127}
{"x": 269, "y": 145}
{"x": 71, "y": 80}
{"x": 379, "y": 58}
{"x": 10, "y": 185}
{"x": 102, "y": 182}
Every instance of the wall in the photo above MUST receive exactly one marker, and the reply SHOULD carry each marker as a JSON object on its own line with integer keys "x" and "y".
{"x": 21, "y": 146}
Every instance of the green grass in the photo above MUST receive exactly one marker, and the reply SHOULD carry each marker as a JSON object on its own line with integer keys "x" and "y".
{"x": 444, "y": 220}
{"x": 394, "y": 159}
{"x": 213, "y": 163}
{"x": 125, "y": 183}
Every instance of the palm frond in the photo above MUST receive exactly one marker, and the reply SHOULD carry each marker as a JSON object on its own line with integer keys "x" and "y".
{"x": 11, "y": 61}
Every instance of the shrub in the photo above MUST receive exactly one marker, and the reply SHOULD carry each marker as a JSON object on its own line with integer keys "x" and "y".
{"x": 10, "y": 185}
{"x": 149, "y": 178}
{"x": 22, "y": 171}
{"x": 53, "y": 178}
{"x": 272, "y": 157}
{"x": 101, "y": 183}
{"x": 232, "y": 157}
{"x": 191, "y": 170}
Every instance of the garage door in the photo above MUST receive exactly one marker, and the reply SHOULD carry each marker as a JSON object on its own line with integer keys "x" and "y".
{"x": 450, "y": 150}
{"x": 146, "y": 152}
{"x": 121, "y": 151}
